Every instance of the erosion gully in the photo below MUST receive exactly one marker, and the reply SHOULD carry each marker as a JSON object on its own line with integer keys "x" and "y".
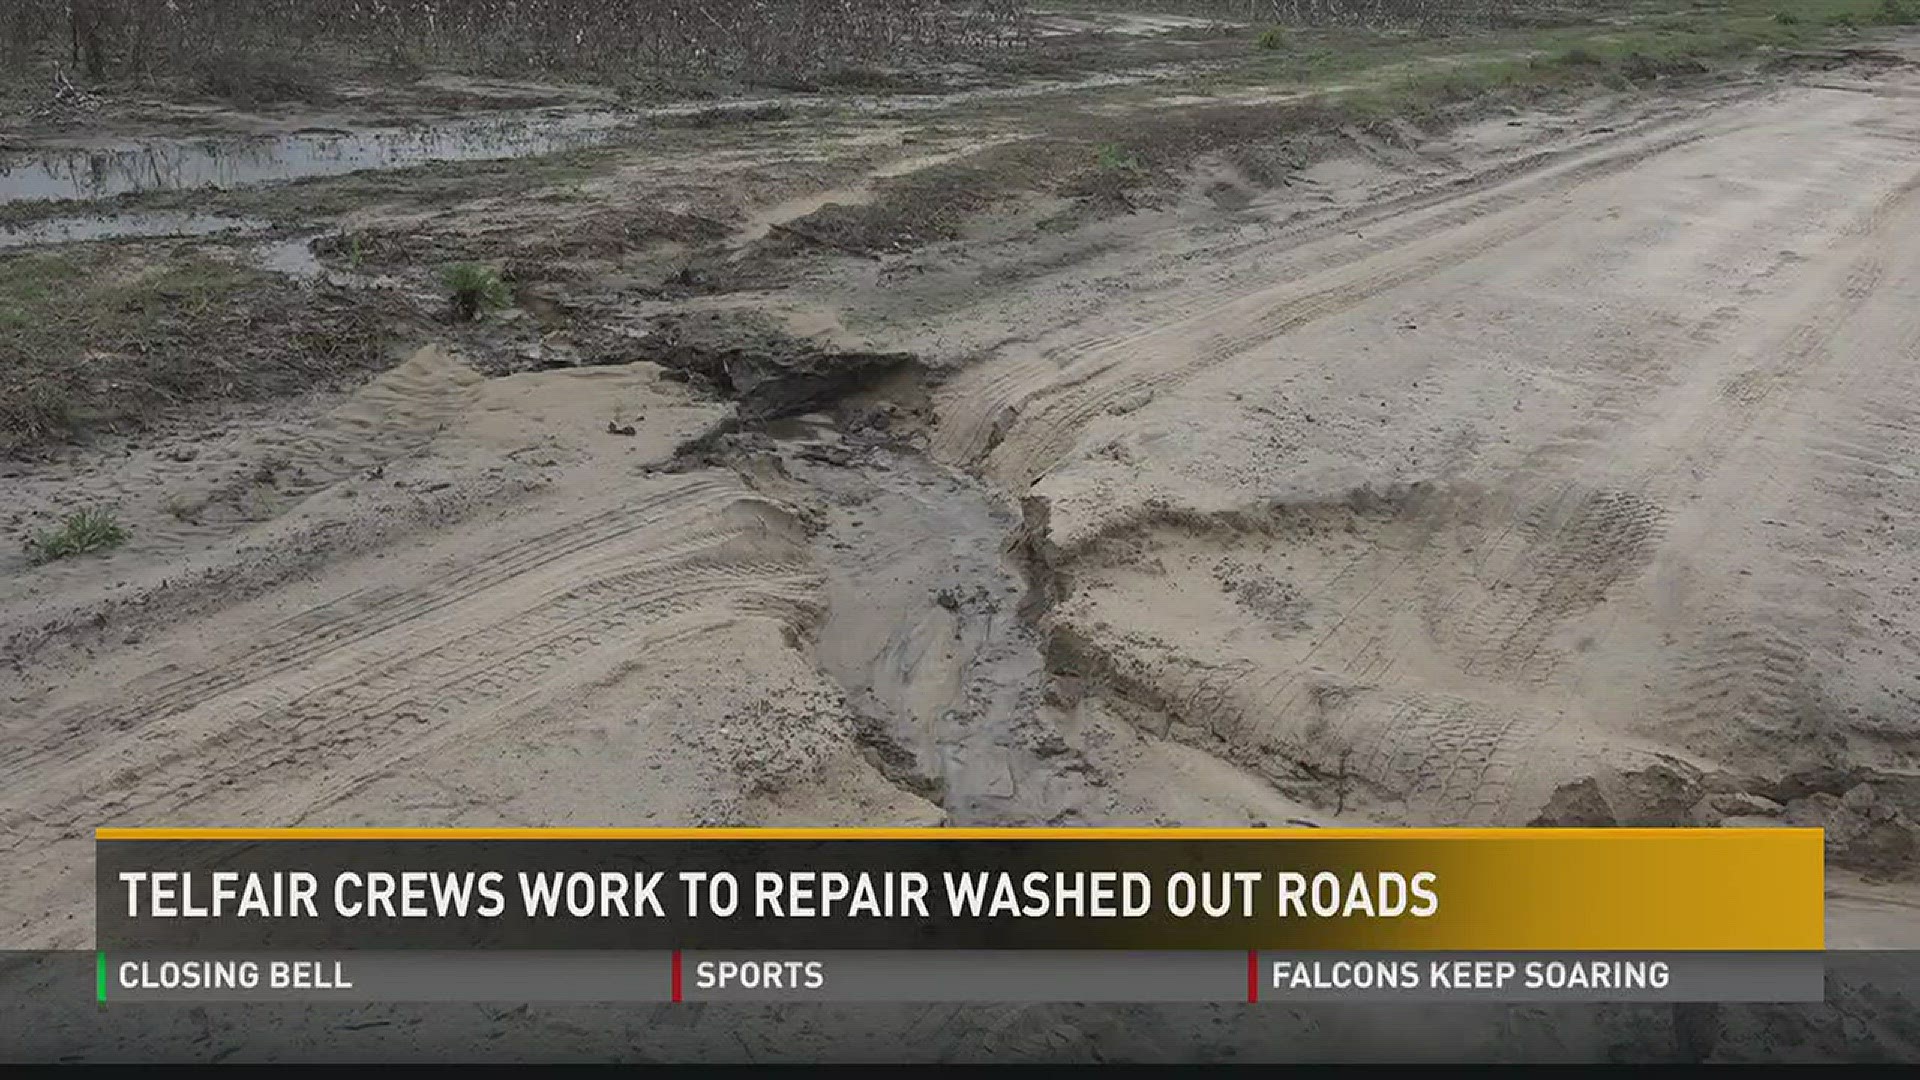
{"x": 927, "y": 631}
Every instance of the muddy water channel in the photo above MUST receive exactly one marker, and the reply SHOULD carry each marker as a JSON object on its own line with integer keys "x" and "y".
{"x": 131, "y": 225}
{"x": 925, "y": 633}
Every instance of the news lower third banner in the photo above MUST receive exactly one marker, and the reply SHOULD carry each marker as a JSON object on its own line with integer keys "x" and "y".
{"x": 1174, "y": 915}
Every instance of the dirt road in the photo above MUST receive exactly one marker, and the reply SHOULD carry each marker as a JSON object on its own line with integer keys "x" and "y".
{"x": 1553, "y": 473}
{"x": 1592, "y": 470}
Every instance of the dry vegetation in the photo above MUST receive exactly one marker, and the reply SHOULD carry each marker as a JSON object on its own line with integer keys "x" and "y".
{"x": 1379, "y": 12}
{"x": 88, "y": 342}
{"x": 84, "y": 349}
{"x": 219, "y": 41}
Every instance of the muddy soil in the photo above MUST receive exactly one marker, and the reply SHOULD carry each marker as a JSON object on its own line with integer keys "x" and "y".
{"x": 1545, "y": 466}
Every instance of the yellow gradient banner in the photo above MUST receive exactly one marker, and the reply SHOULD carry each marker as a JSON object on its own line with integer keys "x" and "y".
{"x": 1335, "y": 889}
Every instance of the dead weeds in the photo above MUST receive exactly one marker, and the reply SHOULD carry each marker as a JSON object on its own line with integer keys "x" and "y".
{"x": 1107, "y": 163}
{"x": 602, "y": 234}
{"x": 91, "y": 340}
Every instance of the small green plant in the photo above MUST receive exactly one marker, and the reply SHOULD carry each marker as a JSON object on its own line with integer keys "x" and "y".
{"x": 81, "y": 532}
{"x": 1271, "y": 39}
{"x": 1787, "y": 18}
{"x": 1116, "y": 158}
{"x": 473, "y": 288}
{"x": 1897, "y": 13}
{"x": 1580, "y": 56}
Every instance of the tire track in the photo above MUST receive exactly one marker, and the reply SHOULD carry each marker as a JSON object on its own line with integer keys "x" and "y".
{"x": 1586, "y": 513}
{"x": 437, "y": 670}
{"x": 1611, "y": 534}
{"x": 1049, "y": 400}
{"x": 317, "y": 633}
{"x": 1836, "y": 512}
{"x": 1567, "y": 567}
{"x": 1455, "y": 760}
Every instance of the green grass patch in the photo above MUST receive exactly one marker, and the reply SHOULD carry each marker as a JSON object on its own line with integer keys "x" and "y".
{"x": 1611, "y": 44}
{"x": 473, "y": 288}
{"x": 79, "y": 533}
{"x": 1116, "y": 158}
{"x": 1365, "y": 77}
{"x": 1898, "y": 13}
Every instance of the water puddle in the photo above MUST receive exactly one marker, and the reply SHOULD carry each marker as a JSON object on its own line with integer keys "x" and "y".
{"x": 131, "y": 225}
{"x": 293, "y": 257}
{"x": 192, "y": 164}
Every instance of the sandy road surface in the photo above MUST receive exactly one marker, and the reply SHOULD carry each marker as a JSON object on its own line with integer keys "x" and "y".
{"x": 1576, "y": 485}
{"x": 472, "y": 620}
{"x": 1597, "y": 476}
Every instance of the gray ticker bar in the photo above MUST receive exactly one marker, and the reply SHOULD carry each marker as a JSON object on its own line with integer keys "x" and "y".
{"x": 1543, "y": 976}
{"x": 964, "y": 976}
{"x": 558, "y": 976}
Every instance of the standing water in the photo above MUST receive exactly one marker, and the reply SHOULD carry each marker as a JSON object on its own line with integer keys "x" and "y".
{"x": 229, "y": 162}
{"x": 129, "y": 225}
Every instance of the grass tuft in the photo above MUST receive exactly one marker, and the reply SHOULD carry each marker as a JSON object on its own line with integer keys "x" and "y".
{"x": 473, "y": 288}
{"x": 79, "y": 533}
{"x": 1116, "y": 158}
